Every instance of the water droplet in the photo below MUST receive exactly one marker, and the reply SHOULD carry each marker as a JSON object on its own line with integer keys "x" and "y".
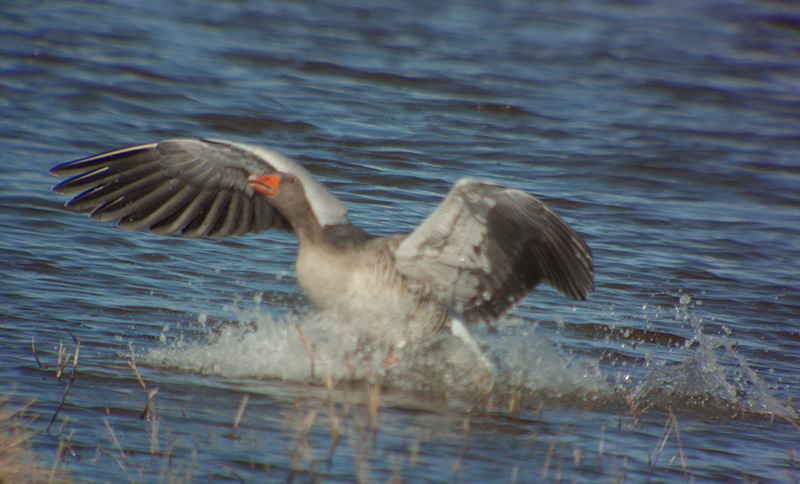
{"x": 685, "y": 299}
{"x": 163, "y": 336}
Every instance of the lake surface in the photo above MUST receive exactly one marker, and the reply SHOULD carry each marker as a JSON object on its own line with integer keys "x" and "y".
{"x": 668, "y": 136}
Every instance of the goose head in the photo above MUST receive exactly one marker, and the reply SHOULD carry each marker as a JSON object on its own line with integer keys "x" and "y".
{"x": 285, "y": 192}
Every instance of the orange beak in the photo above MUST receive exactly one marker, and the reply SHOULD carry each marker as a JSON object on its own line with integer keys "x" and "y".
{"x": 265, "y": 184}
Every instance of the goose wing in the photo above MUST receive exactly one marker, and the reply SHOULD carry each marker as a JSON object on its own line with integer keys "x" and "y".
{"x": 197, "y": 187}
{"x": 486, "y": 246}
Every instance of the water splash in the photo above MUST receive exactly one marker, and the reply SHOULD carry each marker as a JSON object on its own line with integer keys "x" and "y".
{"x": 517, "y": 366}
{"x": 712, "y": 377}
{"x": 319, "y": 348}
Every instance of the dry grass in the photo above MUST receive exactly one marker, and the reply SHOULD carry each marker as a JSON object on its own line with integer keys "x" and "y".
{"x": 354, "y": 415}
{"x": 347, "y": 422}
{"x": 18, "y": 463}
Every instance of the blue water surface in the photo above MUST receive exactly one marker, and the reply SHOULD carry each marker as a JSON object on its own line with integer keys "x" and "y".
{"x": 667, "y": 135}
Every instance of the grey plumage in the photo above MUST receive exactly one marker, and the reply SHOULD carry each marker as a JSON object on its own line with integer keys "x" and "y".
{"x": 486, "y": 246}
{"x": 481, "y": 250}
{"x": 196, "y": 187}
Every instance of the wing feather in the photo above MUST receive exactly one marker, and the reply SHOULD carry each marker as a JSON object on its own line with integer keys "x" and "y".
{"x": 486, "y": 246}
{"x": 191, "y": 186}
{"x": 178, "y": 221}
{"x": 207, "y": 220}
{"x": 228, "y": 217}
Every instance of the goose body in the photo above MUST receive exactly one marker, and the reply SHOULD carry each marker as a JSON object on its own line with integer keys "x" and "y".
{"x": 482, "y": 249}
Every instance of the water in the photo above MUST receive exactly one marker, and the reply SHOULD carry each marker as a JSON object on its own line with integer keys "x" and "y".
{"x": 666, "y": 135}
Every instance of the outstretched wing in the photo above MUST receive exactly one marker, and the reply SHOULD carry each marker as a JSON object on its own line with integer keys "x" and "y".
{"x": 193, "y": 186}
{"x": 486, "y": 246}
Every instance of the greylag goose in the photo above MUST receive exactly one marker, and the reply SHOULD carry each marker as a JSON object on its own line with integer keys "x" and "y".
{"x": 482, "y": 249}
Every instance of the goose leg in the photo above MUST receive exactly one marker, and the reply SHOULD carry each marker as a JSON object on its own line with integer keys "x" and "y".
{"x": 460, "y": 331}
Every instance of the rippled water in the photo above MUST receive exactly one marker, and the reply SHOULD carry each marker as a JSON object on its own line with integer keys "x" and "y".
{"x": 667, "y": 136}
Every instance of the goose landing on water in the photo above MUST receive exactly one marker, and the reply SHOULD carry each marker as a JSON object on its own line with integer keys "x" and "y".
{"x": 482, "y": 249}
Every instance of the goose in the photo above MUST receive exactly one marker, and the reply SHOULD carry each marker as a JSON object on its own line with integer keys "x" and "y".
{"x": 481, "y": 250}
